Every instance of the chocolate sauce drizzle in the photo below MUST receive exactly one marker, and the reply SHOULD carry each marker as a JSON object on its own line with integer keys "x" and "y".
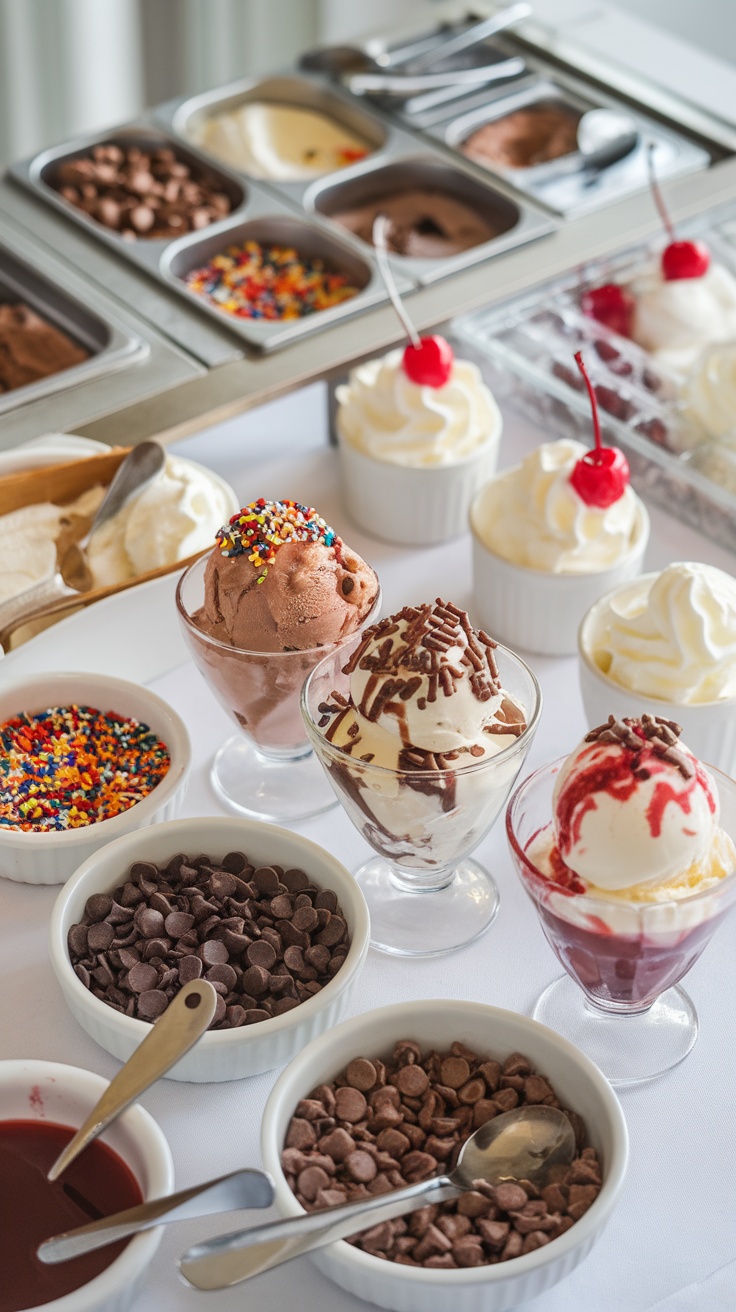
{"x": 660, "y": 735}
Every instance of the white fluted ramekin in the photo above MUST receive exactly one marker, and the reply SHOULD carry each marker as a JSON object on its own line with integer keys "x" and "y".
{"x": 536, "y": 610}
{"x": 492, "y": 1031}
{"x": 708, "y": 728}
{"x": 219, "y": 1054}
{"x": 50, "y": 858}
{"x": 414, "y": 506}
{"x": 47, "y": 1091}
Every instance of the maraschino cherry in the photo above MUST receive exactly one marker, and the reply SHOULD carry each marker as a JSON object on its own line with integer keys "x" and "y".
{"x": 601, "y": 476}
{"x": 680, "y": 259}
{"x": 612, "y": 306}
{"x": 427, "y": 361}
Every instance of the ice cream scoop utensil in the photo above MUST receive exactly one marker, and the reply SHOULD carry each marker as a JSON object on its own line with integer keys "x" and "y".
{"x": 186, "y": 1018}
{"x": 604, "y": 137}
{"x": 139, "y": 468}
{"x": 521, "y": 1144}
{"x": 229, "y": 1193}
{"x": 388, "y": 84}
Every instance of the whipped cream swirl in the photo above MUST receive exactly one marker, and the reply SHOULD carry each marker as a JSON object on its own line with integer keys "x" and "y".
{"x": 675, "y": 320}
{"x": 532, "y": 516}
{"x": 385, "y": 415}
{"x": 710, "y": 391}
{"x": 671, "y": 636}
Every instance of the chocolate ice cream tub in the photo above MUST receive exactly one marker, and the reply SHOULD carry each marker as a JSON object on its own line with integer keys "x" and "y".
{"x": 529, "y": 138}
{"x": 444, "y": 219}
{"x": 38, "y": 315}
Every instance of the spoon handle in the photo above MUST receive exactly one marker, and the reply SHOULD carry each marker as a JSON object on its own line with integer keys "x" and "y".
{"x": 177, "y": 1030}
{"x": 229, "y": 1259}
{"x": 472, "y": 35}
{"x": 230, "y": 1193}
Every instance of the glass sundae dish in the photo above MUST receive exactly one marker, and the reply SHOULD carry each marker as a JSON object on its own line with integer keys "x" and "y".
{"x": 631, "y": 876}
{"x": 422, "y": 726}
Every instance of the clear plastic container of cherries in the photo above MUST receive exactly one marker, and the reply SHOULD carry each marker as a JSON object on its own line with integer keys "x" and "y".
{"x": 526, "y": 347}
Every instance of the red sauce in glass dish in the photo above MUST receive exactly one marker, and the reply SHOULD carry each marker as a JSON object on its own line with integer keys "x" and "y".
{"x": 32, "y": 1209}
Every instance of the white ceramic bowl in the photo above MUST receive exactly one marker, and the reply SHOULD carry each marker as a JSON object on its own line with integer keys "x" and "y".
{"x": 535, "y": 610}
{"x": 708, "y": 728}
{"x": 491, "y": 1031}
{"x": 50, "y": 858}
{"x": 44, "y": 1090}
{"x": 412, "y": 506}
{"x": 220, "y": 1054}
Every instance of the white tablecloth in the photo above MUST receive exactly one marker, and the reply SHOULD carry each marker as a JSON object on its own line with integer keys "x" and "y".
{"x": 674, "y": 1227}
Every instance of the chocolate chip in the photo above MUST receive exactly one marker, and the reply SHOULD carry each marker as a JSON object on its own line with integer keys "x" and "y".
{"x": 347, "y": 586}
{"x": 164, "y": 927}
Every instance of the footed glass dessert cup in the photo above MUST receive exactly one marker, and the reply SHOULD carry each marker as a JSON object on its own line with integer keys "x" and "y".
{"x": 267, "y": 769}
{"x": 426, "y": 896}
{"x": 620, "y": 1000}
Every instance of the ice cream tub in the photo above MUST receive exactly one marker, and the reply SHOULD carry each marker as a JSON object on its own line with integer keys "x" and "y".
{"x": 69, "y": 335}
{"x": 530, "y": 139}
{"x": 275, "y": 225}
{"x": 65, "y": 483}
{"x": 284, "y": 131}
{"x": 444, "y": 218}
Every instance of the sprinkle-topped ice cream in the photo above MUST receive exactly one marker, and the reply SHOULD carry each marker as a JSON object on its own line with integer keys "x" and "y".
{"x": 280, "y": 579}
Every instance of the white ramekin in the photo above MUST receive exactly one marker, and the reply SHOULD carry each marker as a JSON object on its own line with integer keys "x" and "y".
{"x": 435, "y": 1024}
{"x": 50, "y": 858}
{"x": 708, "y": 728}
{"x": 44, "y": 1090}
{"x": 536, "y": 610}
{"x": 412, "y": 506}
{"x": 220, "y": 1054}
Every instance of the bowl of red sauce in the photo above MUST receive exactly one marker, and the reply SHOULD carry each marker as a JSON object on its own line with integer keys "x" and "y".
{"x": 42, "y": 1104}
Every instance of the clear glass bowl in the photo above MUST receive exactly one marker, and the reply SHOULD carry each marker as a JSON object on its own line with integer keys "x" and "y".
{"x": 267, "y": 769}
{"x": 426, "y": 897}
{"x": 618, "y": 1001}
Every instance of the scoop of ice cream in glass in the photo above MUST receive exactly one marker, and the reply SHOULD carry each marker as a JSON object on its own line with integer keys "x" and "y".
{"x": 626, "y": 848}
{"x": 278, "y": 591}
{"x": 422, "y": 725}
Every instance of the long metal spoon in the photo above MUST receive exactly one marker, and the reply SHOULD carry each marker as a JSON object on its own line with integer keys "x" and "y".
{"x": 419, "y": 54}
{"x": 229, "y": 1193}
{"x": 175, "y": 1032}
{"x": 518, "y": 1145}
{"x": 72, "y": 576}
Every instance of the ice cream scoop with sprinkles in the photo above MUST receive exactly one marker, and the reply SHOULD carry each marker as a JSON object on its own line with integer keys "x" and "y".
{"x": 261, "y": 527}
{"x": 71, "y": 766}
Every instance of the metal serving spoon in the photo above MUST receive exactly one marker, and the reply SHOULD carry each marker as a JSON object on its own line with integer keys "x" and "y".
{"x": 517, "y": 1145}
{"x": 420, "y": 54}
{"x": 72, "y": 577}
{"x": 175, "y": 1032}
{"x": 229, "y": 1193}
{"x": 604, "y": 137}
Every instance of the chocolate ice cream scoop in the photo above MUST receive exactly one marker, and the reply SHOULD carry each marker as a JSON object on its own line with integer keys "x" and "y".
{"x": 423, "y": 224}
{"x": 31, "y": 348}
{"x": 282, "y": 580}
{"x": 526, "y": 137}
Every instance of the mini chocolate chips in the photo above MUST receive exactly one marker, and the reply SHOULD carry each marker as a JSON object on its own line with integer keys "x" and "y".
{"x": 383, "y": 1125}
{"x": 266, "y": 938}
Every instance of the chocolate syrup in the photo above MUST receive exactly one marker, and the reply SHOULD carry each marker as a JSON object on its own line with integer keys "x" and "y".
{"x": 32, "y": 1209}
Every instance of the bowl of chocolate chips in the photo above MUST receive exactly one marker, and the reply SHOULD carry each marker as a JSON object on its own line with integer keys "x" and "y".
{"x": 388, "y": 1098}
{"x": 274, "y": 922}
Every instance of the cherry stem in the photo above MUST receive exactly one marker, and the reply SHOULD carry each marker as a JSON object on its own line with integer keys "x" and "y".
{"x": 593, "y": 405}
{"x": 380, "y": 230}
{"x": 657, "y": 192}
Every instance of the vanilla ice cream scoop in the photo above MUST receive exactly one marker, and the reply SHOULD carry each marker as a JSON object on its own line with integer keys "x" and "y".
{"x": 709, "y": 395}
{"x": 671, "y": 636}
{"x": 532, "y": 516}
{"x": 632, "y": 805}
{"x": 175, "y": 517}
{"x": 424, "y": 684}
{"x": 384, "y": 414}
